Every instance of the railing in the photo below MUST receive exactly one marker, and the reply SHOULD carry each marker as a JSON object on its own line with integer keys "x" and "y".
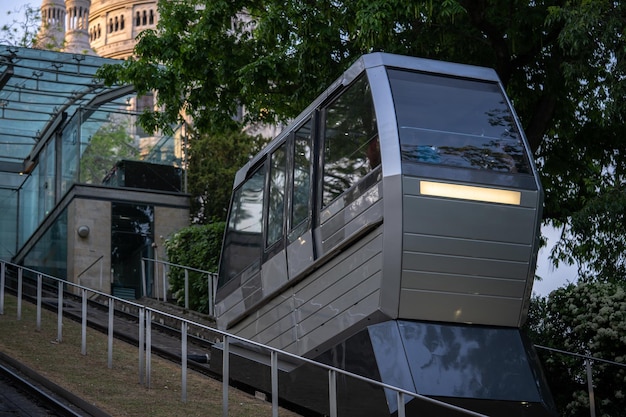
{"x": 165, "y": 267}
{"x": 588, "y": 361}
{"x": 144, "y": 354}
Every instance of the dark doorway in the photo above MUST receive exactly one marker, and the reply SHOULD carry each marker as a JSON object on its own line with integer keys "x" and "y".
{"x": 132, "y": 234}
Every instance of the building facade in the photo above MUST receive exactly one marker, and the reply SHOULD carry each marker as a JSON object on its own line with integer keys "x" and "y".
{"x": 107, "y": 28}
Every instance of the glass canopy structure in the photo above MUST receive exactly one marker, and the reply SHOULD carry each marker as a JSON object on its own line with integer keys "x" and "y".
{"x": 60, "y": 126}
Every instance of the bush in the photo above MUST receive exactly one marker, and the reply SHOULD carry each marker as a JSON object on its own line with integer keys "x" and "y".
{"x": 198, "y": 247}
{"x": 587, "y": 318}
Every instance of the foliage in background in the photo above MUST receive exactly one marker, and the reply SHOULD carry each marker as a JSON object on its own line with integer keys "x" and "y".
{"x": 196, "y": 246}
{"x": 23, "y": 28}
{"x": 588, "y": 318}
{"x": 213, "y": 162}
{"x": 563, "y": 65}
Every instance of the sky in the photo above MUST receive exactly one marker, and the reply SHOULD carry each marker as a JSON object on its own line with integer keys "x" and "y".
{"x": 13, "y": 6}
{"x": 552, "y": 278}
{"x": 16, "y": 9}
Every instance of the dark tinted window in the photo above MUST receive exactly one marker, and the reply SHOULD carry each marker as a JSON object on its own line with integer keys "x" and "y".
{"x": 300, "y": 202}
{"x": 276, "y": 207}
{"x": 456, "y": 122}
{"x": 244, "y": 234}
{"x": 350, "y": 140}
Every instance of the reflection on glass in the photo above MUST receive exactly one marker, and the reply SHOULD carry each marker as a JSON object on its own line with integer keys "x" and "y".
{"x": 47, "y": 182}
{"x": 8, "y": 223}
{"x": 351, "y": 147}
{"x": 105, "y": 146}
{"x": 29, "y": 206}
{"x": 132, "y": 234}
{"x": 456, "y": 122}
{"x": 69, "y": 154}
{"x": 243, "y": 238}
{"x": 301, "y": 179}
{"x": 276, "y": 208}
{"x": 470, "y": 362}
{"x": 49, "y": 255}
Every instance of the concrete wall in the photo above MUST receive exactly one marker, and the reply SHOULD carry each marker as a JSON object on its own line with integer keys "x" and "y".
{"x": 167, "y": 221}
{"x": 82, "y": 252}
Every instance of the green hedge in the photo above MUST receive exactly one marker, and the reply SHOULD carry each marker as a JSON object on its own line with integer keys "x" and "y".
{"x": 199, "y": 247}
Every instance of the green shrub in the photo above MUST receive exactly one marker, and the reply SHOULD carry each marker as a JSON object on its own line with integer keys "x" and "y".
{"x": 196, "y": 246}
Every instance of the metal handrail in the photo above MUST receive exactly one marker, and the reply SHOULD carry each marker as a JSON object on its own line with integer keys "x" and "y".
{"x": 100, "y": 261}
{"x": 211, "y": 281}
{"x": 145, "y": 348}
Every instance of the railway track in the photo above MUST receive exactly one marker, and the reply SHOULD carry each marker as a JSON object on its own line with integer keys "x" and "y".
{"x": 24, "y": 393}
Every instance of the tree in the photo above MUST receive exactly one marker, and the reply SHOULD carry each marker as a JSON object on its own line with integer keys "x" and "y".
{"x": 561, "y": 62}
{"x": 22, "y": 30}
{"x": 588, "y": 318}
{"x": 213, "y": 163}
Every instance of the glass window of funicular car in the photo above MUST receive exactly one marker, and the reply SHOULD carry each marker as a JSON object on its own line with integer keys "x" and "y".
{"x": 456, "y": 122}
{"x": 243, "y": 239}
{"x": 351, "y": 148}
{"x": 276, "y": 197}
{"x": 300, "y": 192}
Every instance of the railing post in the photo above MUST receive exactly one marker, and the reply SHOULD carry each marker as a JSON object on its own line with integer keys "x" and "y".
{"x": 164, "y": 281}
{"x": 39, "y": 291}
{"x": 148, "y": 348}
{"x": 400, "y": 399}
{"x": 2, "y": 274}
{"x": 83, "y": 349}
{"x": 60, "y": 311}
{"x": 274, "y": 373}
{"x": 19, "y": 293}
{"x": 144, "y": 285}
{"x": 332, "y": 392}
{"x": 101, "y": 266}
{"x": 186, "y": 289}
{"x": 225, "y": 377}
{"x": 210, "y": 294}
{"x": 155, "y": 267}
{"x": 110, "y": 334}
{"x": 142, "y": 315}
{"x": 183, "y": 357}
{"x": 592, "y": 405}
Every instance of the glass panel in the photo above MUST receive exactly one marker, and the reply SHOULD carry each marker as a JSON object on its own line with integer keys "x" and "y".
{"x": 69, "y": 156}
{"x": 350, "y": 140}
{"x": 243, "y": 239}
{"x": 456, "y": 122}
{"x": 276, "y": 209}
{"x": 49, "y": 255}
{"x": 29, "y": 206}
{"x": 468, "y": 362}
{"x": 8, "y": 223}
{"x": 111, "y": 134}
{"x": 47, "y": 182}
{"x": 105, "y": 140}
{"x": 300, "y": 203}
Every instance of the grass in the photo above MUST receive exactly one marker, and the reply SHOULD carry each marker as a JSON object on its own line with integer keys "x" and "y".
{"x": 116, "y": 391}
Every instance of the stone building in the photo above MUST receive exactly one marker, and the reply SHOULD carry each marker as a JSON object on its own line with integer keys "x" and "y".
{"x": 107, "y": 28}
